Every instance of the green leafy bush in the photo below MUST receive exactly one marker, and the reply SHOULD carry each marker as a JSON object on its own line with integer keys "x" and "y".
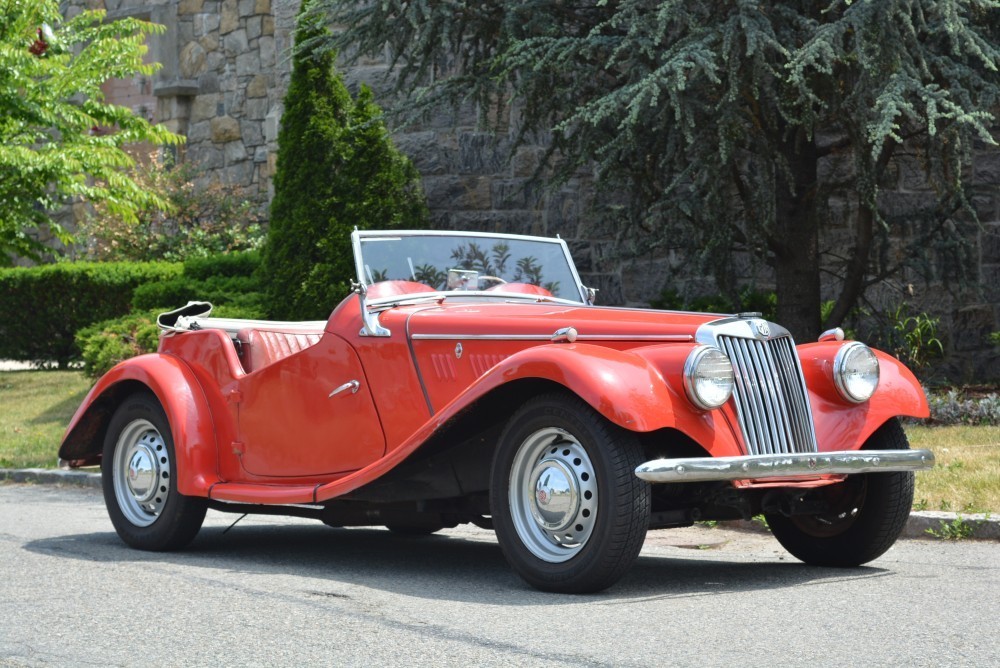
{"x": 337, "y": 169}
{"x": 201, "y": 221}
{"x": 107, "y": 343}
{"x": 912, "y": 339}
{"x": 42, "y": 308}
{"x": 958, "y": 407}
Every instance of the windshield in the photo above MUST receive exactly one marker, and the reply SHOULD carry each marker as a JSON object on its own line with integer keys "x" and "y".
{"x": 457, "y": 261}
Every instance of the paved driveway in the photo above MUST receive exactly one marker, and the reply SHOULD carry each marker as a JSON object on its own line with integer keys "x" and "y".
{"x": 290, "y": 593}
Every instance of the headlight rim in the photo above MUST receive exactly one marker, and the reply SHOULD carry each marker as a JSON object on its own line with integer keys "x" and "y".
{"x": 694, "y": 358}
{"x": 840, "y": 375}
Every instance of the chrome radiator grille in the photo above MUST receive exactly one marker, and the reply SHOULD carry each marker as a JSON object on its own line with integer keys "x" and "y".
{"x": 770, "y": 396}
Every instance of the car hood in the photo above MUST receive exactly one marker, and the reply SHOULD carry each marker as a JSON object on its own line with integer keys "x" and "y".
{"x": 541, "y": 320}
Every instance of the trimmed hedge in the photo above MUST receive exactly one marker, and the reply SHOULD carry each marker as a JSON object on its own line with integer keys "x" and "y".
{"x": 42, "y": 308}
{"x": 224, "y": 280}
{"x": 219, "y": 290}
{"x": 243, "y": 263}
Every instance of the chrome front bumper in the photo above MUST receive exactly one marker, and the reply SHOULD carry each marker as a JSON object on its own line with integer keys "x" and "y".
{"x": 760, "y": 467}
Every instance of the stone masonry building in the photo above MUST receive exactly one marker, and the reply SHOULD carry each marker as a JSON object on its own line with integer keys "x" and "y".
{"x": 226, "y": 68}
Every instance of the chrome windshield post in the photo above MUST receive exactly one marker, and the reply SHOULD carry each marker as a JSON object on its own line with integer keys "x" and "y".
{"x": 369, "y": 320}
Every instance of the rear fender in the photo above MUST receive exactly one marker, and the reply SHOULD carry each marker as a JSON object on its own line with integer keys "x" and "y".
{"x": 184, "y": 402}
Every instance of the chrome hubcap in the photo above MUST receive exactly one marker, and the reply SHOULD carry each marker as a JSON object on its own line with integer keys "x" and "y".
{"x": 553, "y": 495}
{"x": 557, "y": 496}
{"x": 141, "y": 473}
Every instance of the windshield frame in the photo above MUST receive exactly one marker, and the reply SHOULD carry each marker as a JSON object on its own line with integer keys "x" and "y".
{"x": 357, "y": 236}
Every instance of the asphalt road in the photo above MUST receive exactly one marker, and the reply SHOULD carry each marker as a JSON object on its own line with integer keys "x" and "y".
{"x": 291, "y": 592}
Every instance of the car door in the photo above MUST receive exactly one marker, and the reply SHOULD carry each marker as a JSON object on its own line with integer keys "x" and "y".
{"x": 308, "y": 414}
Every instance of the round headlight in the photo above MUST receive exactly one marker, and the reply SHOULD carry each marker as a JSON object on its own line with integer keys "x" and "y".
{"x": 855, "y": 372}
{"x": 708, "y": 377}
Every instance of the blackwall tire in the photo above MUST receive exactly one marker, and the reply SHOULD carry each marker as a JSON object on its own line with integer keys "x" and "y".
{"x": 870, "y": 513}
{"x": 138, "y": 476}
{"x": 569, "y": 513}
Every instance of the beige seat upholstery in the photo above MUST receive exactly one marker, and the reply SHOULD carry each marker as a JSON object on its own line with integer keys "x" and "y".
{"x": 260, "y": 347}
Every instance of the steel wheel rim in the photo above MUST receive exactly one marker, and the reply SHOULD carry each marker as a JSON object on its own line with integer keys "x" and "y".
{"x": 141, "y": 473}
{"x": 553, "y": 495}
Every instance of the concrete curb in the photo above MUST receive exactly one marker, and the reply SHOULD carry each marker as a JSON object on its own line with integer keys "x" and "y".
{"x": 972, "y": 525}
{"x": 976, "y": 526}
{"x": 52, "y": 477}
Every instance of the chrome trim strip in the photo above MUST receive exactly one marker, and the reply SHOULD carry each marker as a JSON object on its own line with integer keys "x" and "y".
{"x": 416, "y": 364}
{"x": 762, "y": 467}
{"x": 548, "y": 337}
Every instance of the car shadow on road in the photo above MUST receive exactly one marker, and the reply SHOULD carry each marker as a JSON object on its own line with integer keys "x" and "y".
{"x": 464, "y": 568}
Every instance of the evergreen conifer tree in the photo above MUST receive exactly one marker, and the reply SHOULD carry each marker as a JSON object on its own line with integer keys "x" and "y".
{"x": 718, "y": 119}
{"x": 336, "y": 169}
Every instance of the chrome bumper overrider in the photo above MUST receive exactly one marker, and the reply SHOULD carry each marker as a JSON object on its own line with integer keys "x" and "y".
{"x": 758, "y": 467}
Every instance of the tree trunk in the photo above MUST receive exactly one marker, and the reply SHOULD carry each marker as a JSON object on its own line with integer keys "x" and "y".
{"x": 857, "y": 267}
{"x": 796, "y": 244}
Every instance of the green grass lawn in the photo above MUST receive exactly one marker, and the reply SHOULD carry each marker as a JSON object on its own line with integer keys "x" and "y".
{"x": 966, "y": 477}
{"x": 36, "y": 406}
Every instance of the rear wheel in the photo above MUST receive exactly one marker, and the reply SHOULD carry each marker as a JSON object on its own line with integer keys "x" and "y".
{"x": 866, "y": 514}
{"x": 139, "y": 481}
{"x": 569, "y": 513}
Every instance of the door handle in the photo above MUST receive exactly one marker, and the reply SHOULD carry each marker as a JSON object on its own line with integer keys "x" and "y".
{"x": 351, "y": 385}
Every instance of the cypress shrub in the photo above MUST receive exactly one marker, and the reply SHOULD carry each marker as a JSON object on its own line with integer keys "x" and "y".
{"x": 336, "y": 169}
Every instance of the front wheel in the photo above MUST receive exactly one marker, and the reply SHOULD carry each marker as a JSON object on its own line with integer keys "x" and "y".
{"x": 569, "y": 513}
{"x": 866, "y": 514}
{"x": 139, "y": 479}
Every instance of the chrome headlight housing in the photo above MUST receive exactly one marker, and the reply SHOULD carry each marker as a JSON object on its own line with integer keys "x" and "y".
{"x": 708, "y": 377}
{"x": 856, "y": 372}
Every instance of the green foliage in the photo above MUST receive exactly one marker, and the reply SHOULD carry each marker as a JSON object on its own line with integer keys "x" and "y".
{"x": 747, "y": 299}
{"x": 956, "y": 529}
{"x": 995, "y": 338}
{"x": 715, "y": 118}
{"x": 912, "y": 339}
{"x": 229, "y": 280}
{"x": 105, "y": 344}
{"x": 202, "y": 221}
{"x": 245, "y": 263}
{"x": 41, "y": 308}
{"x": 109, "y": 342}
{"x": 958, "y": 407}
{"x": 51, "y": 103}
{"x": 337, "y": 169}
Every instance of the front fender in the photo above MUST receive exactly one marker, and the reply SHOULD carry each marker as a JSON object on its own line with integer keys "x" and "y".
{"x": 842, "y": 425}
{"x": 184, "y": 402}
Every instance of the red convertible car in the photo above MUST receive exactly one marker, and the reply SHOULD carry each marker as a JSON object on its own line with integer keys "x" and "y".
{"x": 470, "y": 378}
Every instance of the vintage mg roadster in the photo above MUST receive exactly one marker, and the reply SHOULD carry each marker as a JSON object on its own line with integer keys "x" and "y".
{"x": 470, "y": 378}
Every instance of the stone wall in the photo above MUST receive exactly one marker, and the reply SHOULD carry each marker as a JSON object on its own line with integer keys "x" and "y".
{"x": 225, "y": 71}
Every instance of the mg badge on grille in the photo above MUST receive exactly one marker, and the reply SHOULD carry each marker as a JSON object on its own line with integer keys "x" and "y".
{"x": 762, "y": 329}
